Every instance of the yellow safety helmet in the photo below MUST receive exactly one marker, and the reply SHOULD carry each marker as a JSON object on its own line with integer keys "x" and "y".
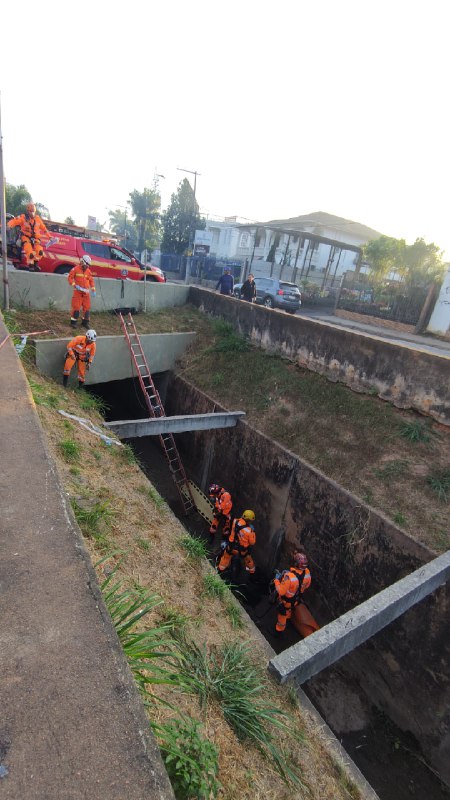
{"x": 249, "y": 514}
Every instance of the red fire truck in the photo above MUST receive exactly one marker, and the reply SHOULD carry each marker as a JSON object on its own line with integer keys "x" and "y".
{"x": 69, "y": 243}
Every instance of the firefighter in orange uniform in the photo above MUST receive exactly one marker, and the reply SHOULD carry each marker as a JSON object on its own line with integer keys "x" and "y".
{"x": 82, "y": 280}
{"x": 222, "y": 509}
{"x": 289, "y": 585}
{"x": 81, "y": 349}
{"x": 240, "y": 541}
{"x": 32, "y": 229}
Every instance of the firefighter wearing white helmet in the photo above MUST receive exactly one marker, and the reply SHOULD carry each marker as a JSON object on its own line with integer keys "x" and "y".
{"x": 81, "y": 350}
{"x": 82, "y": 280}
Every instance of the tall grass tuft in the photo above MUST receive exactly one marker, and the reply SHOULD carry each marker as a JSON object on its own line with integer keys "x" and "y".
{"x": 93, "y": 521}
{"x": 194, "y": 548}
{"x": 440, "y": 483}
{"x": 416, "y": 431}
{"x": 228, "y": 675}
{"x": 69, "y": 450}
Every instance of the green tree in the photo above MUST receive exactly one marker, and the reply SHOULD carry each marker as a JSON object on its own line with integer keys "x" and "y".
{"x": 69, "y": 221}
{"x": 384, "y": 255}
{"x": 146, "y": 210}
{"x": 422, "y": 263}
{"x": 124, "y": 227}
{"x": 42, "y": 211}
{"x": 17, "y": 198}
{"x": 181, "y": 220}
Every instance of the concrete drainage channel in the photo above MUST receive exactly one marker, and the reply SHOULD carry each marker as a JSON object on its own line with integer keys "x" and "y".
{"x": 388, "y": 700}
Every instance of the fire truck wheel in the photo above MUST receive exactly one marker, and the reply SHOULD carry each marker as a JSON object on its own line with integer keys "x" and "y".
{"x": 64, "y": 269}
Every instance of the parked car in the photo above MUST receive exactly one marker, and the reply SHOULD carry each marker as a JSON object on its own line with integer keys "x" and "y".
{"x": 273, "y": 293}
{"x": 108, "y": 259}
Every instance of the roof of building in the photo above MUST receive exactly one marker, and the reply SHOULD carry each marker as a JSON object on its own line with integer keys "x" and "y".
{"x": 318, "y": 221}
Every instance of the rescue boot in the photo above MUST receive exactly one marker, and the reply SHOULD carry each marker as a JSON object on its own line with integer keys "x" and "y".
{"x": 65, "y": 381}
{"x": 73, "y": 323}
{"x": 80, "y": 385}
{"x": 85, "y": 323}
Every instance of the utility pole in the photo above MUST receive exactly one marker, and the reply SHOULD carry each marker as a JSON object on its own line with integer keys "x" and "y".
{"x": 3, "y": 222}
{"x": 191, "y": 232}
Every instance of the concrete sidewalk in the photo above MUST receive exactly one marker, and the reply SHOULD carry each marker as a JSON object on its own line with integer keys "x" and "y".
{"x": 72, "y": 724}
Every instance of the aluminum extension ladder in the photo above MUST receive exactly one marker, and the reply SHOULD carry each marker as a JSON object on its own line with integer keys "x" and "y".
{"x": 156, "y": 409}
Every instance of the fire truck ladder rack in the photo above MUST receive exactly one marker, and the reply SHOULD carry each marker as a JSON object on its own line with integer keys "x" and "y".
{"x": 156, "y": 409}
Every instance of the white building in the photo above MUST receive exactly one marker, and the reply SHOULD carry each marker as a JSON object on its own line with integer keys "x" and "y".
{"x": 318, "y": 247}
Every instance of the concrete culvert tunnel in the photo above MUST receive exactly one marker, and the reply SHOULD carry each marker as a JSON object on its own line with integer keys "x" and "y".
{"x": 388, "y": 700}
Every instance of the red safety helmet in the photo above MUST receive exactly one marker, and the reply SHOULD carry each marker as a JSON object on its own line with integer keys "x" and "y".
{"x": 214, "y": 490}
{"x": 299, "y": 559}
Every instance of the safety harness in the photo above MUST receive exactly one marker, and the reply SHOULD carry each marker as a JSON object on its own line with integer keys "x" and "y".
{"x": 297, "y": 597}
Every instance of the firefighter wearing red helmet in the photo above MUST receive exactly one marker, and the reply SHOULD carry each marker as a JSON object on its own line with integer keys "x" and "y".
{"x": 289, "y": 586}
{"x": 32, "y": 230}
{"x": 222, "y": 509}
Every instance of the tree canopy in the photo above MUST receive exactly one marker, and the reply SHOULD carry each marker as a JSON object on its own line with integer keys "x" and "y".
{"x": 17, "y": 198}
{"x": 418, "y": 264}
{"x": 181, "y": 220}
{"x": 138, "y": 228}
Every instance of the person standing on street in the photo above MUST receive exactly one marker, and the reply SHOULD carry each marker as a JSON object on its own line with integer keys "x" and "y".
{"x": 82, "y": 280}
{"x": 248, "y": 289}
{"x": 226, "y": 282}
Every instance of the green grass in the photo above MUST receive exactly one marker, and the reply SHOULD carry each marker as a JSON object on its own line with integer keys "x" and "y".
{"x": 75, "y": 471}
{"x": 89, "y": 402}
{"x": 128, "y": 455}
{"x": 393, "y": 469}
{"x": 95, "y": 521}
{"x": 440, "y": 484}
{"x": 150, "y": 491}
{"x": 213, "y": 586}
{"x": 415, "y": 431}
{"x": 227, "y": 340}
{"x": 70, "y": 450}
{"x": 229, "y": 676}
{"x": 195, "y": 548}
{"x": 44, "y": 395}
{"x": 399, "y": 518}
{"x": 143, "y": 544}
{"x": 234, "y": 614}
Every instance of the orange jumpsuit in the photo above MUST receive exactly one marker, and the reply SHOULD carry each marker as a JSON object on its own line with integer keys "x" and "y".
{"x": 81, "y": 298}
{"x": 290, "y": 587}
{"x": 241, "y": 539}
{"x": 82, "y": 352}
{"x": 31, "y": 229}
{"x": 222, "y": 512}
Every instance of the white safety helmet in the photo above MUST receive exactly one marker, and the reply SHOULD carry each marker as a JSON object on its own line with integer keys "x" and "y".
{"x": 86, "y": 260}
{"x": 91, "y": 335}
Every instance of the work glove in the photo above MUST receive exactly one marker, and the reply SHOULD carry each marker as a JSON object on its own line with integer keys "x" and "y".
{"x": 277, "y": 575}
{"x": 79, "y": 288}
{"x": 93, "y": 292}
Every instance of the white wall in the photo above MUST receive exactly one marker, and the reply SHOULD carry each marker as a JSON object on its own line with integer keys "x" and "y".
{"x": 440, "y": 318}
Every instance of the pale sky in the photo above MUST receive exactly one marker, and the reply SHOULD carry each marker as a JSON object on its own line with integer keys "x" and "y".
{"x": 284, "y": 108}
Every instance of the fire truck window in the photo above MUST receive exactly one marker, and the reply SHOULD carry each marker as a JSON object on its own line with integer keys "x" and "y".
{"x": 118, "y": 255}
{"x": 96, "y": 249}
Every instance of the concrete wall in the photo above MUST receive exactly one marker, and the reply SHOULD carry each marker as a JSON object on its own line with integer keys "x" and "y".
{"x": 113, "y": 360}
{"x": 354, "y": 552}
{"x": 405, "y": 377}
{"x": 43, "y": 291}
